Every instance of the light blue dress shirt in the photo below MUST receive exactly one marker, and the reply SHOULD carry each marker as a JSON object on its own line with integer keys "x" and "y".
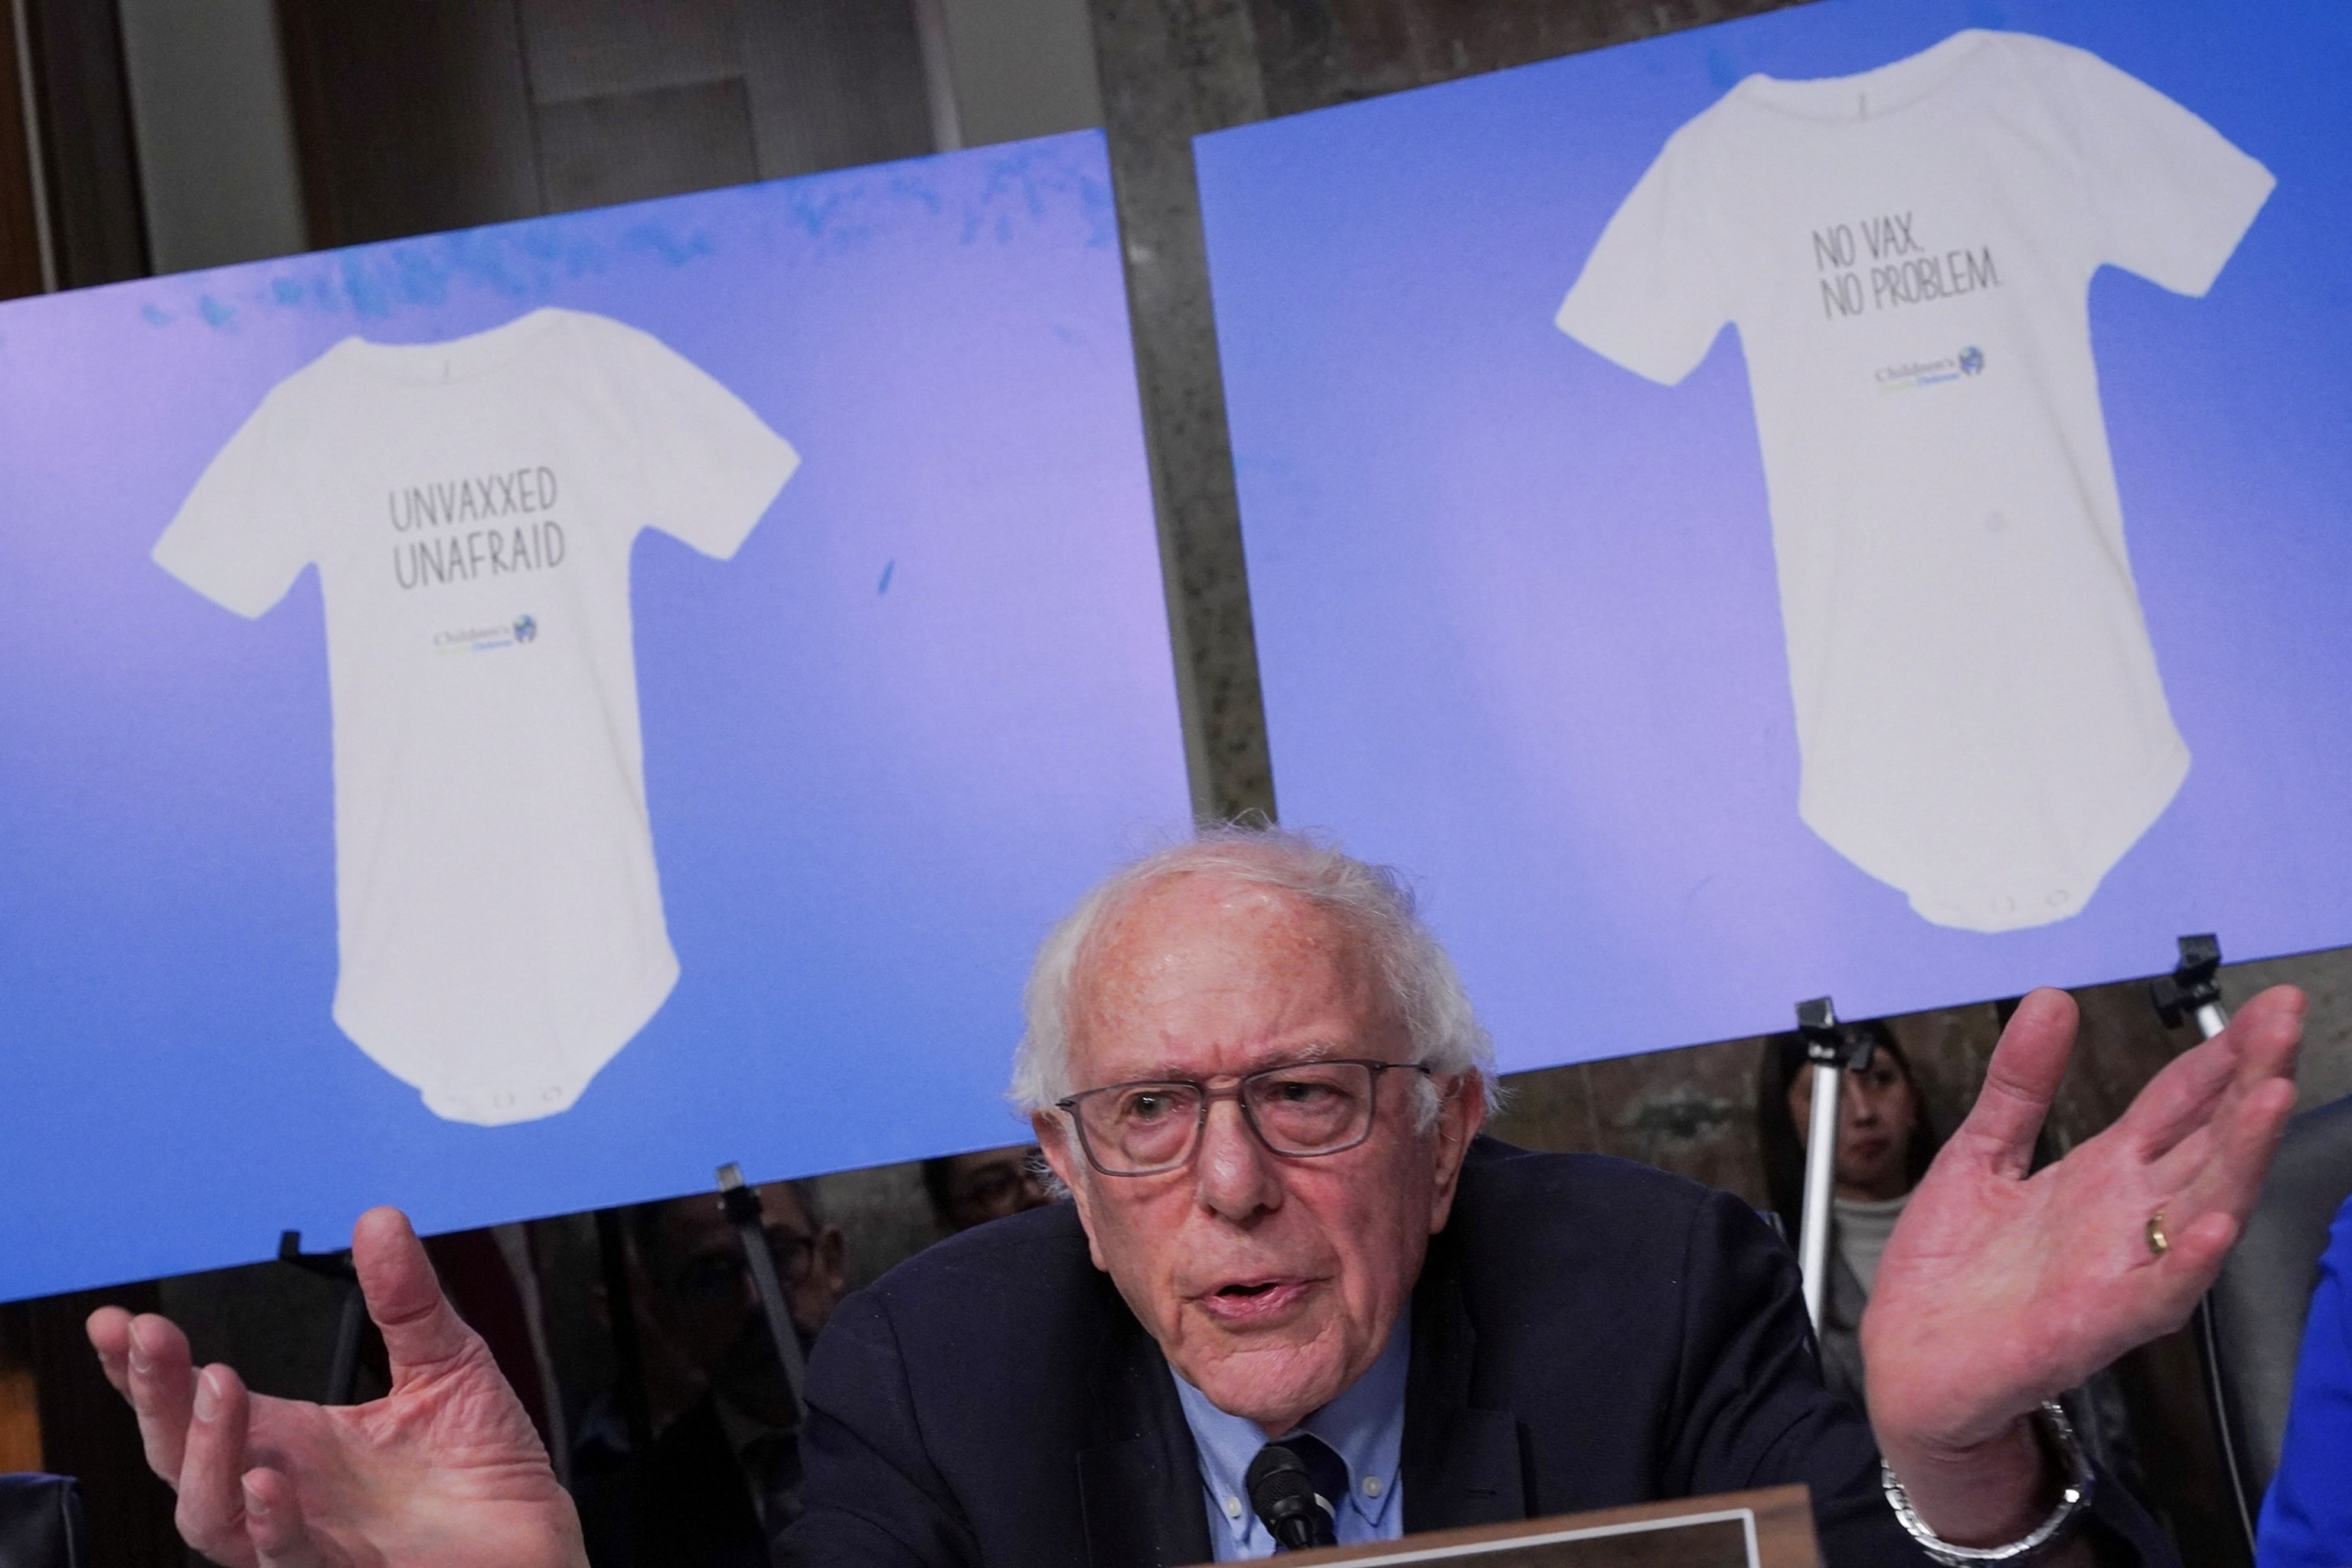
{"x": 1365, "y": 1425}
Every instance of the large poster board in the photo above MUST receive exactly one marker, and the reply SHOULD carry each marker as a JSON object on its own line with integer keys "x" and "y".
{"x": 1909, "y": 566}
{"x": 503, "y": 721}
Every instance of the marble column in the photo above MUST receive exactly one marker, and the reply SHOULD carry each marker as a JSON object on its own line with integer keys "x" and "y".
{"x": 1171, "y": 71}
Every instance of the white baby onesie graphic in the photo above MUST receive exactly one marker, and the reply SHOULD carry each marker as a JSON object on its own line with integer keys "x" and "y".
{"x": 1908, "y": 254}
{"x": 470, "y": 507}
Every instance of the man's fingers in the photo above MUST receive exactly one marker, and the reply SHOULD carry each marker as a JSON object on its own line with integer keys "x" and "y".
{"x": 2187, "y": 1269}
{"x": 2173, "y": 1172}
{"x": 211, "y": 1515}
{"x": 2240, "y": 1083}
{"x": 2021, "y": 1082}
{"x": 109, "y": 1335}
{"x": 274, "y": 1524}
{"x": 2252, "y": 1125}
{"x": 147, "y": 1358}
{"x": 2180, "y": 1098}
{"x": 162, "y": 1390}
{"x": 421, "y": 1331}
{"x": 2259, "y": 1046}
{"x": 2243, "y": 1136}
{"x": 2199, "y": 1249}
{"x": 2271, "y": 1024}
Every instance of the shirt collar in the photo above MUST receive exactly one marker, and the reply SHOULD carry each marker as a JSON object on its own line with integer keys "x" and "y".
{"x": 1365, "y": 1425}
{"x": 741, "y": 1429}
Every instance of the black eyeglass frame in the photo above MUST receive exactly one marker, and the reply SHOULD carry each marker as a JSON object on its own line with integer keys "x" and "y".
{"x": 793, "y": 1252}
{"x": 1069, "y": 1104}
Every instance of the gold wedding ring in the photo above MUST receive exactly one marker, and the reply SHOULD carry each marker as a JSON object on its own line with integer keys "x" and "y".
{"x": 2156, "y": 1243}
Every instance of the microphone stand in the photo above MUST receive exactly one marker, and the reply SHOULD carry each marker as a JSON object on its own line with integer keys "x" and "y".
{"x": 1832, "y": 1054}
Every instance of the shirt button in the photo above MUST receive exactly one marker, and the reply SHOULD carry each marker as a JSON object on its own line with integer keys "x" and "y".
{"x": 1372, "y": 1486}
{"x": 1232, "y": 1508}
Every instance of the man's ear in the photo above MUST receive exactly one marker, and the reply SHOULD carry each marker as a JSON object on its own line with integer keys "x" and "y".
{"x": 1061, "y": 1154}
{"x": 1460, "y": 1114}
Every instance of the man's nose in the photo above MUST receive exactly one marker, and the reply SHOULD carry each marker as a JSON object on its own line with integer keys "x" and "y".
{"x": 1234, "y": 1171}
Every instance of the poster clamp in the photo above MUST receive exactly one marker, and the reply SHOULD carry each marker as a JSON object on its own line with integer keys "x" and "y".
{"x": 2193, "y": 989}
{"x": 1832, "y": 1052}
{"x": 742, "y": 1205}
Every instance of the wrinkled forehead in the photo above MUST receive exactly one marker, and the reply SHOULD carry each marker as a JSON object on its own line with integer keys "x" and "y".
{"x": 1202, "y": 973}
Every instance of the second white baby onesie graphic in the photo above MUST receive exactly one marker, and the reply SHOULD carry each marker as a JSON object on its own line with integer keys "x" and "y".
{"x": 1908, "y": 254}
{"x": 470, "y": 508}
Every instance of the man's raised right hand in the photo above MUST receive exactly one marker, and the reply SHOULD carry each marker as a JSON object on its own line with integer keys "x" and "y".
{"x": 446, "y": 1470}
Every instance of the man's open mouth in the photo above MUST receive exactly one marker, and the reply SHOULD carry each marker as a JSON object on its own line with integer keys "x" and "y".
{"x": 1246, "y": 1302}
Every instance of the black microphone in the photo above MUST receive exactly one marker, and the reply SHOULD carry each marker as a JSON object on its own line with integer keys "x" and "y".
{"x": 1283, "y": 1494}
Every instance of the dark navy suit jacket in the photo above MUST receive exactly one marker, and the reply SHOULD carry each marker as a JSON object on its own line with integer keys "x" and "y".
{"x": 1586, "y": 1333}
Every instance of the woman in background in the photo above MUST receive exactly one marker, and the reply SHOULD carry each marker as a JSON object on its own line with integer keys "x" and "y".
{"x": 1885, "y": 1141}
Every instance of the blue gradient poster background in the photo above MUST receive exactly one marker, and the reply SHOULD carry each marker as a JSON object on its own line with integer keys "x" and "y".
{"x": 1516, "y": 606}
{"x": 885, "y": 745}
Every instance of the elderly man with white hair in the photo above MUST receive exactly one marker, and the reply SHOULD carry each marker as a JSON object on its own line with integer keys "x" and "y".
{"x": 1259, "y": 1078}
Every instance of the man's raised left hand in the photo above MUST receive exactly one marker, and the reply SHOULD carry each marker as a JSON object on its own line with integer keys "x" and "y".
{"x": 1999, "y": 1288}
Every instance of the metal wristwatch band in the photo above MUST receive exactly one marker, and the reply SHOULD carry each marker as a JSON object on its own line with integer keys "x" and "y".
{"x": 2043, "y": 1537}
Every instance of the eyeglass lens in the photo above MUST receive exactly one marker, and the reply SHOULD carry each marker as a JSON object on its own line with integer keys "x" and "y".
{"x": 992, "y": 1187}
{"x": 723, "y": 1276}
{"x": 1312, "y": 1108}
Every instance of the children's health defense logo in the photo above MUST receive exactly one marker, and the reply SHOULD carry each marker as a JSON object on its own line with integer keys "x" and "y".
{"x": 1910, "y": 374}
{"x": 487, "y": 639}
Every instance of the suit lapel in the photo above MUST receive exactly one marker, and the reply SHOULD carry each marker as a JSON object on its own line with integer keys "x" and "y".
{"x": 1139, "y": 1477}
{"x": 1461, "y": 1465}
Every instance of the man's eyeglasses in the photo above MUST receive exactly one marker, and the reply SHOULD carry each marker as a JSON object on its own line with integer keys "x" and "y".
{"x": 1301, "y": 1111}
{"x": 721, "y": 1277}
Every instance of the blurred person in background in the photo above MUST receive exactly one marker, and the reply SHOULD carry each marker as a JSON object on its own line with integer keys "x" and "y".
{"x": 722, "y": 1479}
{"x": 1886, "y": 1139}
{"x": 971, "y": 1189}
